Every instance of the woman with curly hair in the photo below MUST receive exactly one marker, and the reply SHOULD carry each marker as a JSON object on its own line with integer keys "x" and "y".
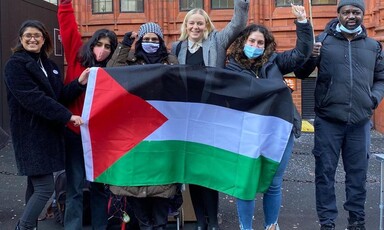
{"x": 254, "y": 54}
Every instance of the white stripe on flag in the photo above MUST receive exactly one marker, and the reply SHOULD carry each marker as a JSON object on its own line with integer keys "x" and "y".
{"x": 85, "y": 136}
{"x": 240, "y": 132}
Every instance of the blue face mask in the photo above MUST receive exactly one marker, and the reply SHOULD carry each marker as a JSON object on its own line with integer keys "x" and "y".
{"x": 354, "y": 31}
{"x": 150, "y": 47}
{"x": 252, "y": 52}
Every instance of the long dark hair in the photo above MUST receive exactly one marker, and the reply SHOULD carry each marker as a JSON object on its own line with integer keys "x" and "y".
{"x": 86, "y": 56}
{"x": 47, "y": 47}
{"x": 236, "y": 49}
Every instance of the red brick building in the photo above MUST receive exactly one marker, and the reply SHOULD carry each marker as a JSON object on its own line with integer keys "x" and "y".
{"x": 127, "y": 15}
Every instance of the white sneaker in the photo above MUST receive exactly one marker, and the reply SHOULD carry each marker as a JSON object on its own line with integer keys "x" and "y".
{"x": 272, "y": 226}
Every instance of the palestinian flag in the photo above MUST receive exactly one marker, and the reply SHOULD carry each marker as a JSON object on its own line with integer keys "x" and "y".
{"x": 160, "y": 124}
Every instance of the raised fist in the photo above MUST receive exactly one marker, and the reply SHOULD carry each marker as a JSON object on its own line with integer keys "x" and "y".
{"x": 129, "y": 38}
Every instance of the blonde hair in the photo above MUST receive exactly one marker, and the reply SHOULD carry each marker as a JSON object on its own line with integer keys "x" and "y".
{"x": 208, "y": 22}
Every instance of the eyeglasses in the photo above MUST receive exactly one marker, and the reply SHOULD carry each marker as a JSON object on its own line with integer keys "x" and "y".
{"x": 154, "y": 40}
{"x": 30, "y": 36}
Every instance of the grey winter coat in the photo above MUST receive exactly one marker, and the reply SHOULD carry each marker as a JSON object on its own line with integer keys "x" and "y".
{"x": 350, "y": 81}
{"x": 37, "y": 116}
{"x": 217, "y": 43}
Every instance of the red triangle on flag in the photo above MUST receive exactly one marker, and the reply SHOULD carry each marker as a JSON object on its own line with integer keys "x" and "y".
{"x": 120, "y": 117}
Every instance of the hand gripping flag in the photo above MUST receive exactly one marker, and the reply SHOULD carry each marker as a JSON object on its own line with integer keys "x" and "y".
{"x": 161, "y": 124}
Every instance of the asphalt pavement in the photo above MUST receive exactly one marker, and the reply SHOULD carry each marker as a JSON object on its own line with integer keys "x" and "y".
{"x": 297, "y": 211}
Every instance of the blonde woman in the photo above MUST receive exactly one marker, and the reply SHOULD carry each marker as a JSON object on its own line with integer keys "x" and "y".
{"x": 202, "y": 45}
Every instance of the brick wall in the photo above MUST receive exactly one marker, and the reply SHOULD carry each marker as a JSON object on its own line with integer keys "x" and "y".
{"x": 279, "y": 20}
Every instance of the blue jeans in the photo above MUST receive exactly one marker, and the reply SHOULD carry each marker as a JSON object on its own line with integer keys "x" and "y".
{"x": 75, "y": 172}
{"x": 271, "y": 199}
{"x": 352, "y": 142}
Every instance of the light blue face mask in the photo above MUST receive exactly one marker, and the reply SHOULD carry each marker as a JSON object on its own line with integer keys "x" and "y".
{"x": 252, "y": 52}
{"x": 150, "y": 47}
{"x": 340, "y": 28}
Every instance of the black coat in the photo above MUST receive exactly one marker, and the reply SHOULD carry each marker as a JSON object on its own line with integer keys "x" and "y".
{"x": 37, "y": 116}
{"x": 285, "y": 62}
{"x": 350, "y": 81}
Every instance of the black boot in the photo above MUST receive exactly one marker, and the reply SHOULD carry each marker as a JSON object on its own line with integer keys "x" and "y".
{"x": 20, "y": 228}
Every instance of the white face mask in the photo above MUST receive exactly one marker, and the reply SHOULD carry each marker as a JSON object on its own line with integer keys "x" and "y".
{"x": 101, "y": 53}
{"x": 150, "y": 47}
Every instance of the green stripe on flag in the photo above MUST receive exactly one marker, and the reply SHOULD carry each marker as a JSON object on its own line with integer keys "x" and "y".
{"x": 164, "y": 162}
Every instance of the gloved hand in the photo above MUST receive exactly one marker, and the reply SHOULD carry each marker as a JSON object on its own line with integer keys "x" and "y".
{"x": 62, "y": 2}
{"x": 128, "y": 39}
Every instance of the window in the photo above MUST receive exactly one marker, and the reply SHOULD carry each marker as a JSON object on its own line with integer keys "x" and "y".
{"x": 132, "y": 6}
{"x": 102, "y": 6}
{"x": 190, "y": 4}
{"x": 222, "y": 4}
{"x": 324, "y": 2}
{"x": 279, "y": 3}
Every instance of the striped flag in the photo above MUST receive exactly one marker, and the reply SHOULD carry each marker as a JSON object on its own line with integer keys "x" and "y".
{"x": 160, "y": 124}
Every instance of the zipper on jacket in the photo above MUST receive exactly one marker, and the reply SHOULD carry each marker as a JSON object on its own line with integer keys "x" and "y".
{"x": 351, "y": 79}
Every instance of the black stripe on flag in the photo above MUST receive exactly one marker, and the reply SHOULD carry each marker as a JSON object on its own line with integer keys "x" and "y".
{"x": 209, "y": 85}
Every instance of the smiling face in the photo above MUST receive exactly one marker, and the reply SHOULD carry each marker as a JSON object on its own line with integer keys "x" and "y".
{"x": 32, "y": 40}
{"x": 350, "y": 16}
{"x": 196, "y": 27}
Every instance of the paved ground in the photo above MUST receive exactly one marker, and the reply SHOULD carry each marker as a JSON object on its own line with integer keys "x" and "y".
{"x": 297, "y": 212}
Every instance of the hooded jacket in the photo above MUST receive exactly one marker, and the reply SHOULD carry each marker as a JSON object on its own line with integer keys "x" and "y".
{"x": 350, "y": 81}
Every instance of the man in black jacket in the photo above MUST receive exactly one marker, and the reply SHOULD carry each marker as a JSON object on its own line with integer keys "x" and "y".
{"x": 349, "y": 86}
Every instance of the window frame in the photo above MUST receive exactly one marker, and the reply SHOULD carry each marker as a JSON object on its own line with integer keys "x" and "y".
{"x": 188, "y": 9}
{"x": 298, "y": 2}
{"x": 106, "y": 12}
{"x": 127, "y": 11}
{"x": 226, "y": 8}
{"x": 326, "y": 4}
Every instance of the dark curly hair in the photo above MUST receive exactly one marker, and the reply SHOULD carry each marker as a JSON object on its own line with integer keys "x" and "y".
{"x": 86, "y": 56}
{"x": 236, "y": 49}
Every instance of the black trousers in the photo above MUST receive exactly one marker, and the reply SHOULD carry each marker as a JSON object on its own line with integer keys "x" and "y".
{"x": 151, "y": 212}
{"x": 205, "y": 203}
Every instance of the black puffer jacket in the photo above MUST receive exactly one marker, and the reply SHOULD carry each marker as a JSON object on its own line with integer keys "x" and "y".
{"x": 350, "y": 81}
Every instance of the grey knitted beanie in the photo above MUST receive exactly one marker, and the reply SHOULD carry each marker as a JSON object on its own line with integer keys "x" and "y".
{"x": 150, "y": 27}
{"x": 358, "y": 3}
